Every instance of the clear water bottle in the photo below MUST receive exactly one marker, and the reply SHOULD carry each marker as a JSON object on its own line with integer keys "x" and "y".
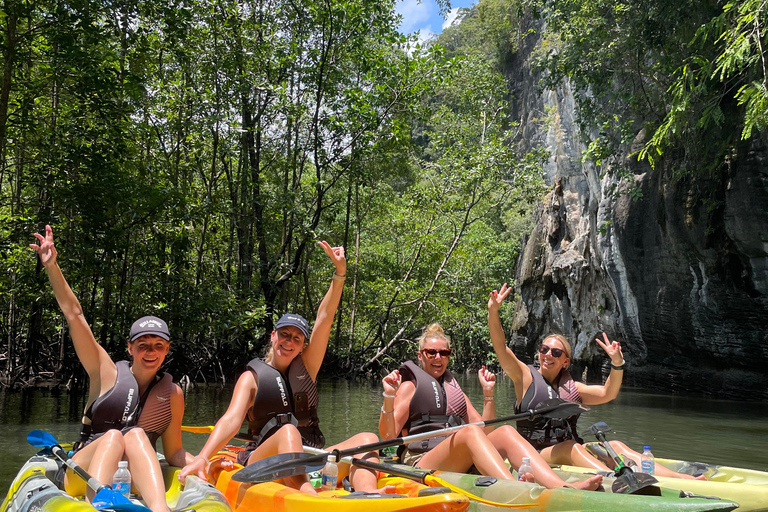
{"x": 647, "y": 462}
{"x": 524, "y": 468}
{"x": 330, "y": 474}
{"x": 121, "y": 482}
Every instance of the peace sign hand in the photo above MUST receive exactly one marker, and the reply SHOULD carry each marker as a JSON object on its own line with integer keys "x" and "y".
{"x": 497, "y": 297}
{"x": 612, "y": 348}
{"x": 46, "y": 250}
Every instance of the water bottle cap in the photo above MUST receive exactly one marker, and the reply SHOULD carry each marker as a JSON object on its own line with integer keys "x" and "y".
{"x": 526, "y": 460}
{"x": 123, "y": 464}
{"x": 646, "y": 447}
{"x": 331, "y": 458}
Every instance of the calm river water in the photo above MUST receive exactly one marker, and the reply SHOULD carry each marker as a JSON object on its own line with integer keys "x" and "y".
{"x": 725, "y": 432}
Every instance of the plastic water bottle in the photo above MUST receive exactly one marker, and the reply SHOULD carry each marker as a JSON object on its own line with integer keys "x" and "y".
{"x": 647, "y": 462}
{"x": 524, "y": 468}
{"x": 121, "y": 482}
{"x": 330, "y": 474}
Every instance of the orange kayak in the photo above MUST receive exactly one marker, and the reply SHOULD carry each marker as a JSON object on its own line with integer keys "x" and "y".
{"x": 275, "y": 497}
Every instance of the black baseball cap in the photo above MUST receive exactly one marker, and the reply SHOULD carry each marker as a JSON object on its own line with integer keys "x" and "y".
{"x": 149, "y": 325}
{"x": 295, "y": 320}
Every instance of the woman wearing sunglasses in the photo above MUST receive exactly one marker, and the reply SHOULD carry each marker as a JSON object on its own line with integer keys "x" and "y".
{"x": 557, "y": 440}
{"x": 426, "y": 397}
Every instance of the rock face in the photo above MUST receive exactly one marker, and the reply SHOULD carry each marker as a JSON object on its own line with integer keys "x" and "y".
{"x": 678, "y": 275}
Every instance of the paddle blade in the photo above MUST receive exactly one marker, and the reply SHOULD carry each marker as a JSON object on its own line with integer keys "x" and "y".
{"x": 40, "y": 439}
{"x": 109, "y": 499}
{"x": 197, "y": 430}
{"x": 278, "y": 466}
{"x": 635, "y": 483}
{"x": 560, "y": 409}
{"x": 600, "y": 428}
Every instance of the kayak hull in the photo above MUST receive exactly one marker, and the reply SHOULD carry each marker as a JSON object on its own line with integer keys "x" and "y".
{"x": 275, "y": 497}
{"x": 716, "y": 473}
{"x": 749, "y": 497}
{"x": 564, "y": 500}
{"x": 33, "y": 490}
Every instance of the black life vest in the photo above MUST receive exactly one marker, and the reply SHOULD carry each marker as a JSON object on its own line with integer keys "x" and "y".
{"x": 118, "y": 408}
{"x": 280, "y": 401}
{"x": 543, "y": 432}
{"x": 435, "y": 405}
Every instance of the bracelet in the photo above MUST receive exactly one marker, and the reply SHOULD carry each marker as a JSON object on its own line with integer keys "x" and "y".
{"x": 337, "y": 276}
{"x": 619, "y": 367}
{"x": 488, "y": 398}
{"x": 385, "y": 395}
{"x": 386, "y": 412}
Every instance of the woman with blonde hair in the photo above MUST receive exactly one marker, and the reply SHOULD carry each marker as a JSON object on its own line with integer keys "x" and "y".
{"x": 278, "y": 395}
{"x": 425, "y": 397}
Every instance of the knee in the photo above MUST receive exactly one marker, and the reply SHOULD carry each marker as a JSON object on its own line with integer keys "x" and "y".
{"x": 113, "y": 439}
{"x": 470, "y": 432}
{"x": 510, "y": 432}
{"x": 289, "y": 433}
{"x": 366, "y": 438}
{"x": 618, "y": 446}
{"x": 135, "y": 435}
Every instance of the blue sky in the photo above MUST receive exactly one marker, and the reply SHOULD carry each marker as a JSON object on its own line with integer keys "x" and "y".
{"x": 424, "y": 16}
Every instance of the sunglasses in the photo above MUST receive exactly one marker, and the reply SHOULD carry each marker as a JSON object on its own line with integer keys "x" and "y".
{"x": 556, "y": 352}
{"x": 432, "y": 353}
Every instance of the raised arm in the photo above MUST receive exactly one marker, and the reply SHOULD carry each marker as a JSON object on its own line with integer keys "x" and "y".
{"x": 314, "y": 353}
{"x": 596, "y": 394}
{"x": 227, "y": 426}
{"x": 394, "y": 411}
{"x": 92, "y": 356}
{"x": 512, "y": 366}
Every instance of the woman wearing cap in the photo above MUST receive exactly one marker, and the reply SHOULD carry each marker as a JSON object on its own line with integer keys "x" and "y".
{"x": 129, "y": 406}
{"x": 425, "y": 397}
{"x": 557, "y": 440}
{"x": 278, "y": 395}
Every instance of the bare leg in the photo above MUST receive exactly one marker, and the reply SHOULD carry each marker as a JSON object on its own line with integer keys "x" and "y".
{"x": 660, "y": 470}
{"x": 286, "y": 440}
{"x": 98, "y": 458}
{"x": 362, "y": 479}
{"x": 145, "y": 469}
{"x": 512, "y": 446}
{"x": 572, "y": 453}
{"x": 461, "y": 450}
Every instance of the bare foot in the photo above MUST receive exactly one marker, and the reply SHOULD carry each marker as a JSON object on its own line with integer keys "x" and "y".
{"x": 588, "y": 485}
{"x": 528, "y": 477}
{"x": 387, "y": 489}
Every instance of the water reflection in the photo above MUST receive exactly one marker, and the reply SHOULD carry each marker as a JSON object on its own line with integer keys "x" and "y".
{"x": 726, "y": 432}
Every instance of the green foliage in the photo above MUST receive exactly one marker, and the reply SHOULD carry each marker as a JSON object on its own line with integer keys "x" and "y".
{"x": 190, "y": 154}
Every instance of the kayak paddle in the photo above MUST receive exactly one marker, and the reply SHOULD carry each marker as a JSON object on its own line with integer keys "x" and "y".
{"x": 627, "y": 481}
{"x": 426, "y": 477}
{"x": 106, "y": 497}
{"x": 276, "y": 467}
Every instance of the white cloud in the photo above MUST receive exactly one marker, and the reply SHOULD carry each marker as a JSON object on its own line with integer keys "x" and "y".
{"x": 415, "y": 13}
{"x": 451, "y": 17}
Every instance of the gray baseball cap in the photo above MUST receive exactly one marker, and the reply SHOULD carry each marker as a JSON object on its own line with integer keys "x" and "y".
{"x": 149, "y": 325}
{"x": 295, "y": 320}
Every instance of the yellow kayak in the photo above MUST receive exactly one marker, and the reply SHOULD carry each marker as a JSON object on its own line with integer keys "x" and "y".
{"x": 33, "y": 490}
{"x": 750, "y": 497}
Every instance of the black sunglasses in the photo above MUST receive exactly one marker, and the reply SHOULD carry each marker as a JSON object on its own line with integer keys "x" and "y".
{"x": 432, "y": 353}
{"x": 556, "y": 352}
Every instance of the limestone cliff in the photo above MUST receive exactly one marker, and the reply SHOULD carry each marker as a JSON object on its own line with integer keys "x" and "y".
{"x": 679, "y": 275}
